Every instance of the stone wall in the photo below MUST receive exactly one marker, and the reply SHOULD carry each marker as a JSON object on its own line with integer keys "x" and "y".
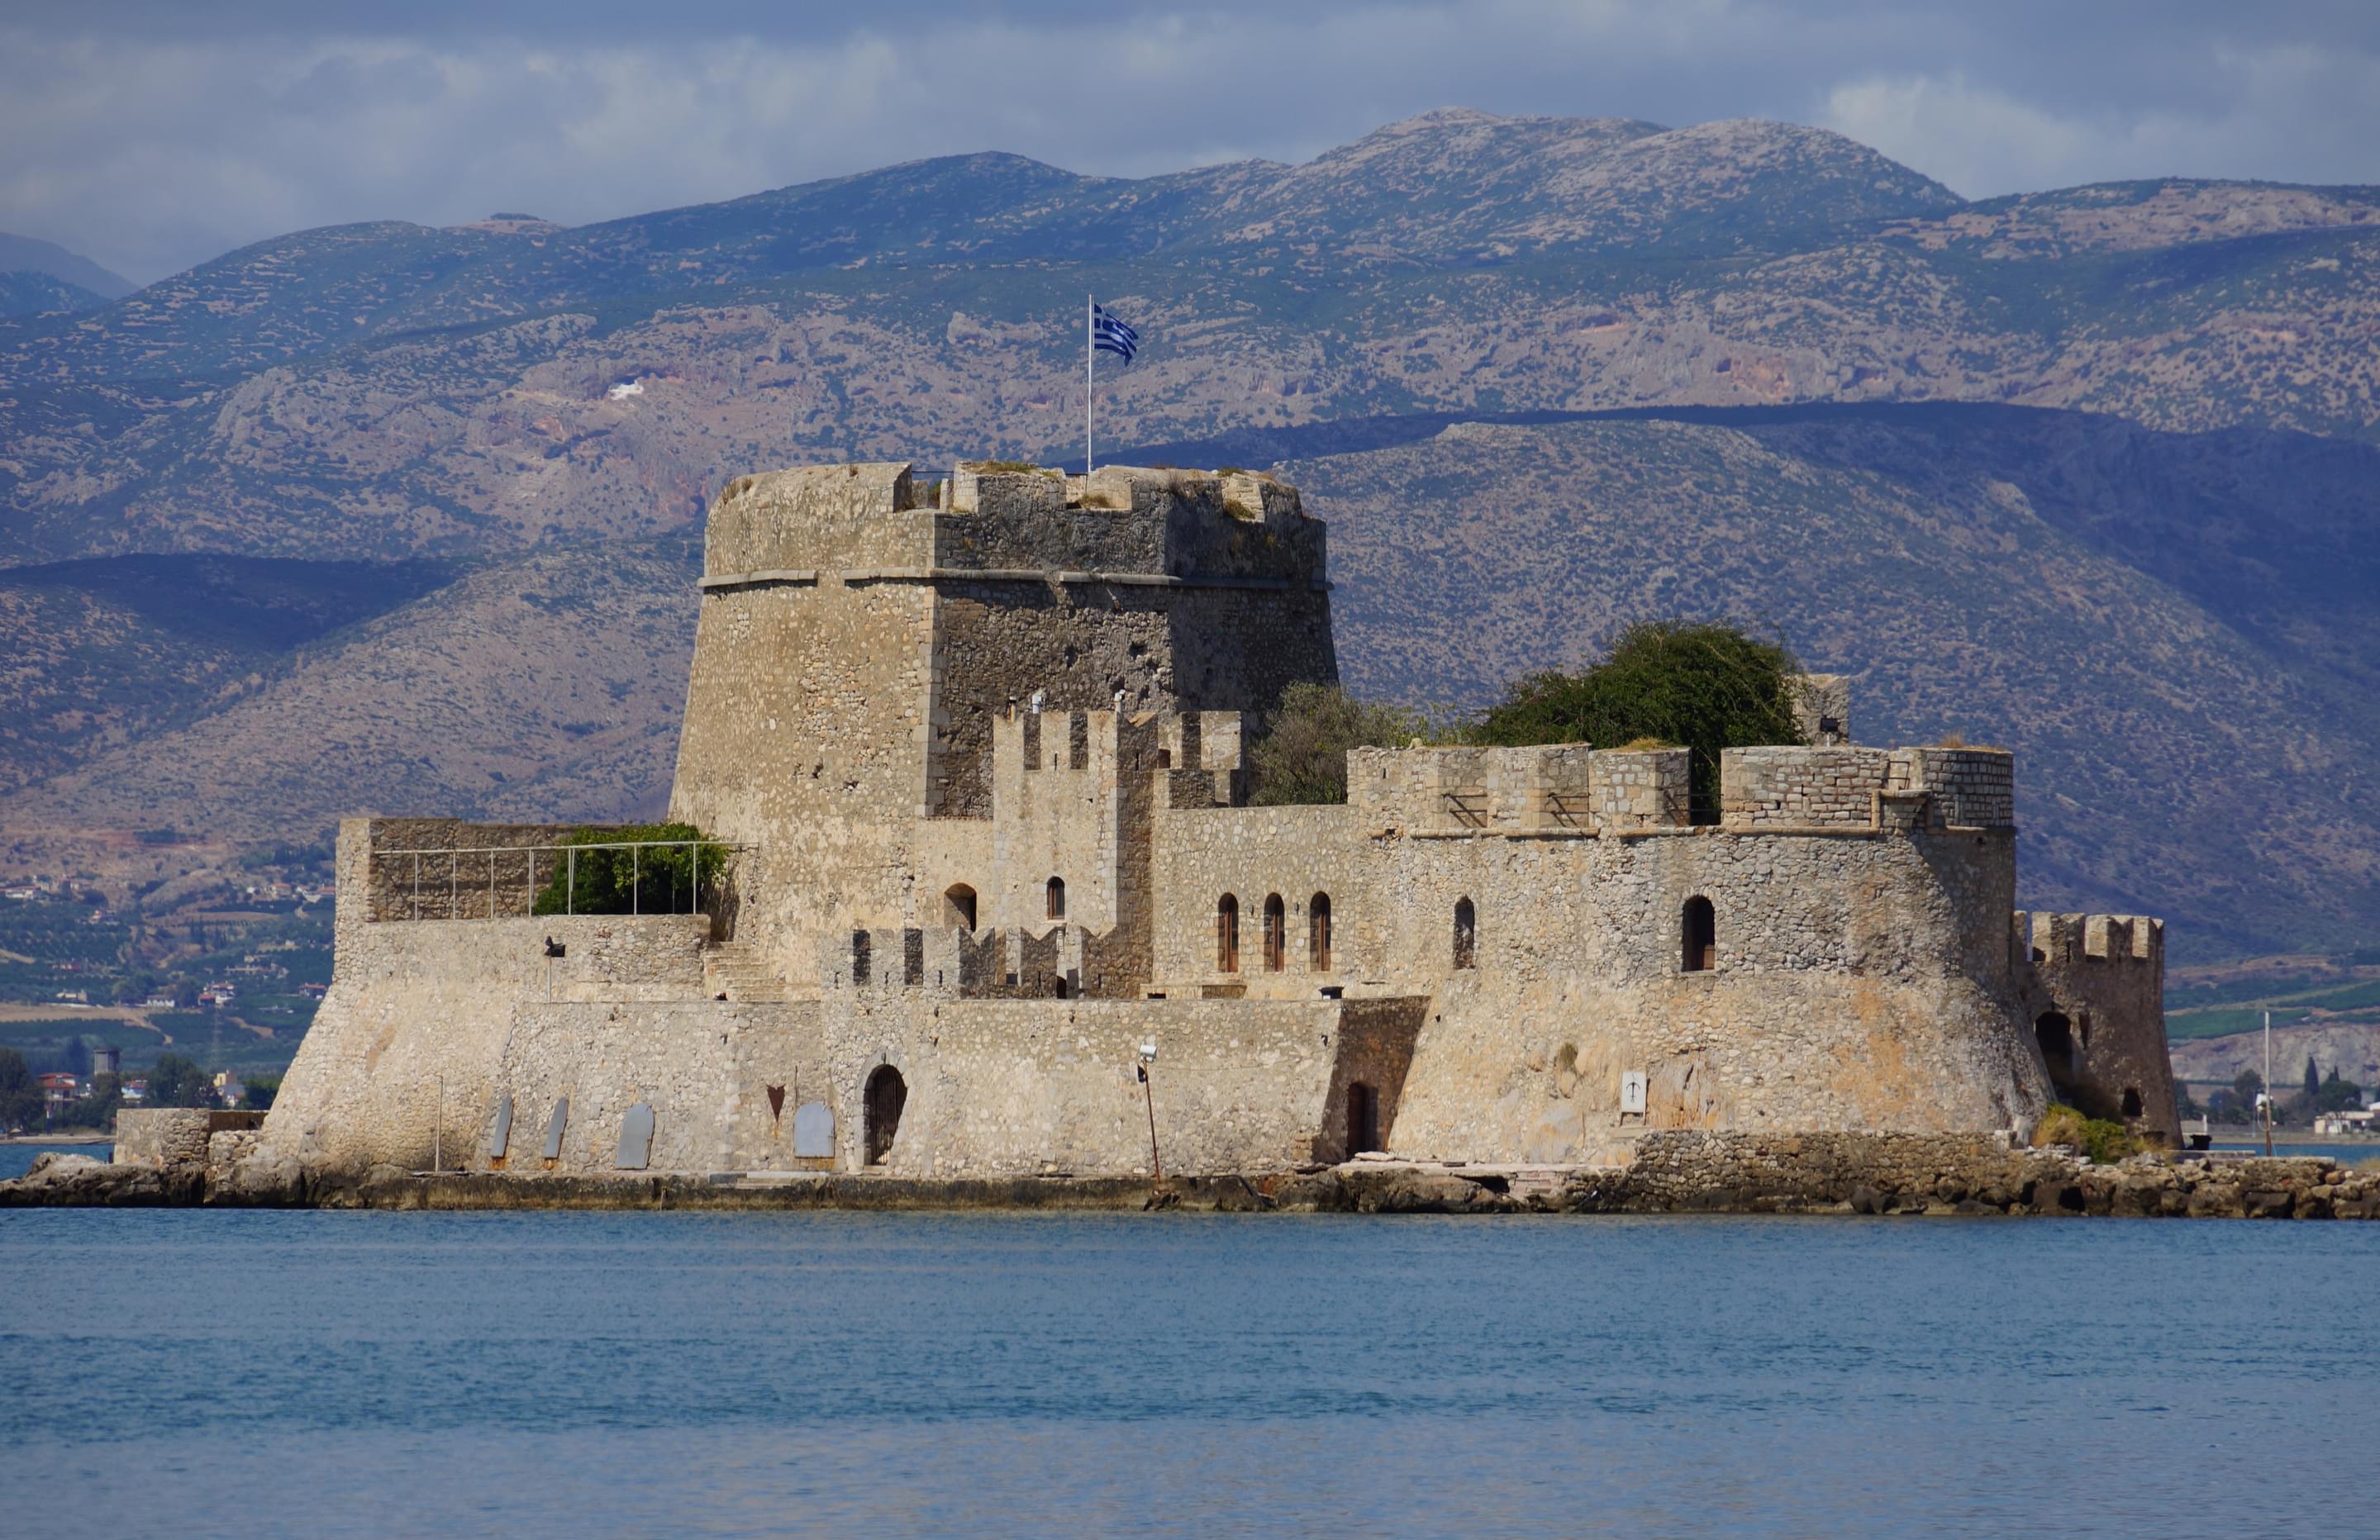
{"x": 1970, "y": 788}
{"x": 2093, "y": 990}
{"x": 407, "y": 1040}
{"x": 1797, "y": 787}
{"x": 161, "y": 1136}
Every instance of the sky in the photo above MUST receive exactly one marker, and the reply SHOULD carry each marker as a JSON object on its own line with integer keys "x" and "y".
{"x": 152, "y": 135}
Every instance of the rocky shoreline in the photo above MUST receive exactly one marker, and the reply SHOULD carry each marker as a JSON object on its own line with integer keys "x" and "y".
{"x": 1670, "y": 1172}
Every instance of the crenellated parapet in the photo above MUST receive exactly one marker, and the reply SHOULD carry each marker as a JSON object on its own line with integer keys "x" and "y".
{"x": 1570, "y": 789}
{"x": 991, "y": 521}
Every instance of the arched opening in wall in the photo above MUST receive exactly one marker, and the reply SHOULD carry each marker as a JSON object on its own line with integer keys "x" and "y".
{"x": 2131, "y": 1101}
{"x": 2055, "y": 1034}
{"x": 1699, "y": 929}
{"x": 1054, "y": 898}
{"x": 1276, "y": 933}
{"x": 1317, "y": 933}
{"x": 1363, "y": 1119}
{"x": 1227, "y": 934}
{"x": 887, "y": 1094}
{"x": 1466, "y": 934}
{"x": 958, "y": 906}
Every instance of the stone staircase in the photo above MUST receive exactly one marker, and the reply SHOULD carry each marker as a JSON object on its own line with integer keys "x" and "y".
{"x": 735, "y": 970}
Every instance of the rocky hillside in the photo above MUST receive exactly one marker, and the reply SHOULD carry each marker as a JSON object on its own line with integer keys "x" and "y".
{"x": 1739, "y": 368}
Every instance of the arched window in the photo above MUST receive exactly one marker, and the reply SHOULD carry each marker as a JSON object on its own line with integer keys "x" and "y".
{"x": 1227, "y": 934}
{"x": 1056, "y": 894}
{"x": 1699, "y": 927}
{"x": 1466, "y": 934}
{"x": 1276, "y": 933}
{"x": 1317, "y": 933}
{"x": 958, "y": 906}
{"x": 887, "y": 1094}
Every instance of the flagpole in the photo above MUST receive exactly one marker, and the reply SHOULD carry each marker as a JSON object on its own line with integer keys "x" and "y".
{"x": 1087, "y": 306}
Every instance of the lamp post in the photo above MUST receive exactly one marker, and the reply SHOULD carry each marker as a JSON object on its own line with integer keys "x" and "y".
{"x": 1148, "y": 1095}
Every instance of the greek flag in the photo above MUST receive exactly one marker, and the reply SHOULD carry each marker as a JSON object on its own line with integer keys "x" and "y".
{"x": 1110, "y": 335}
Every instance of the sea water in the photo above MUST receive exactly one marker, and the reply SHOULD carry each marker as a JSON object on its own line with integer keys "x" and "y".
{"x": 195, "y": 1372}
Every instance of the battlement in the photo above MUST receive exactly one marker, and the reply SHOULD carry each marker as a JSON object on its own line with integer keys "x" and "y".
{"x": 996, "y": 521}
{"x": 1568, "y": 788}
{"x": 2053, "y": 940}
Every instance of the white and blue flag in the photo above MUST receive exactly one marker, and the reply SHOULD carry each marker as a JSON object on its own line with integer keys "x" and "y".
{"x": 1111, "y": 335}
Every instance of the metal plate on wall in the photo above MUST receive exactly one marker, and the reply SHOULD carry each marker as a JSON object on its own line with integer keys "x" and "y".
{"x": 500, "y": 1127}
{"x": 553, "y": 1127}
{"x": 636, "y": 1139}
{"x": 813, "y": 1130}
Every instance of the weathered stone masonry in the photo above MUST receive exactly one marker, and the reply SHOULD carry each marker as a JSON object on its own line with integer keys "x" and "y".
{"x": 979, "y": 754}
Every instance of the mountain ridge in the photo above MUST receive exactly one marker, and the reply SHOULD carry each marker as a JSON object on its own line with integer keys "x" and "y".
{"x": 2139, "y": 419}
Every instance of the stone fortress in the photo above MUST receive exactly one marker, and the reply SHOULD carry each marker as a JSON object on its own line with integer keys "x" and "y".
{"x": 997, "y": 905}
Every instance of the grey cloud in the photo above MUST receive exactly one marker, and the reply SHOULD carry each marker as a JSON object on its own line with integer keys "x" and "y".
{"x": 153, "y": 135}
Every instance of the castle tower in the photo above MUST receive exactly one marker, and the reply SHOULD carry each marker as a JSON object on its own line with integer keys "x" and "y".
{"x": 857, "y": 642}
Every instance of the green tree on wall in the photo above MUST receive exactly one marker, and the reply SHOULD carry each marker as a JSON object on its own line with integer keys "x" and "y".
{"x": 1700, "y": 685}
{"x": 676, "y": 876}
{"x": 1302, "y": 758}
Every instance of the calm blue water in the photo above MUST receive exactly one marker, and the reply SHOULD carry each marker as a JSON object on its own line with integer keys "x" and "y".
{"x": 2358, "y": 1154}
{"x": 302, "y": 1372}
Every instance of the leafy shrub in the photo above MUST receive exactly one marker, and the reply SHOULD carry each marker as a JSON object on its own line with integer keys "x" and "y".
{"x": 656, "y": 880}
{"x": 2102, "y": 1142}
{"x": 1302, "y": 758}
{"x": 1706, "y": 687}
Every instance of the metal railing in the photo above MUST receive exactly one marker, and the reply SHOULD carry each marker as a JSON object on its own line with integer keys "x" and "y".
{"x": 565, "y": 863}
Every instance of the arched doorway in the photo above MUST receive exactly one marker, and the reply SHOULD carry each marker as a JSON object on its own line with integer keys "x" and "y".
{"x": 2055, "y": 1034}
{"x": 2131, "y": 1102}
{"x": 1699, "y": 931}
{"x": 1317, "y": 933}
{"x": 1466, "y": 934}
{"x": 1227, "y": 934}
{"x": 958, "y": 906}
{"x": 1276, "y": 933}
{"x": 887, "y": 1094}
{"x": 1363, "y": 1119}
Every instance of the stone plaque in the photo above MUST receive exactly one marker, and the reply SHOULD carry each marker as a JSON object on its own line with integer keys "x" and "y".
{"x": 813, "y": 1130}
{"x": 1631, "y": 1091}
{"x": 500, "y": 1127}
{"x": 636, "y": 1139}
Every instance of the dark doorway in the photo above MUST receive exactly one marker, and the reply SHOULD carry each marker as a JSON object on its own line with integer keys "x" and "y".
{"x": 958, "y": 906}
{"x": 2131, "y": 1101}
{"x": 1276, "y": 933}
{"x": 1317, "y": 933}
{"x": 2056, "y": 1035}
{"x": 887, "y": 1094}
{"x": 1700, "y": 928}
{"x": 1363, "y": 1119}
{"x": 1466, "y": 934}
